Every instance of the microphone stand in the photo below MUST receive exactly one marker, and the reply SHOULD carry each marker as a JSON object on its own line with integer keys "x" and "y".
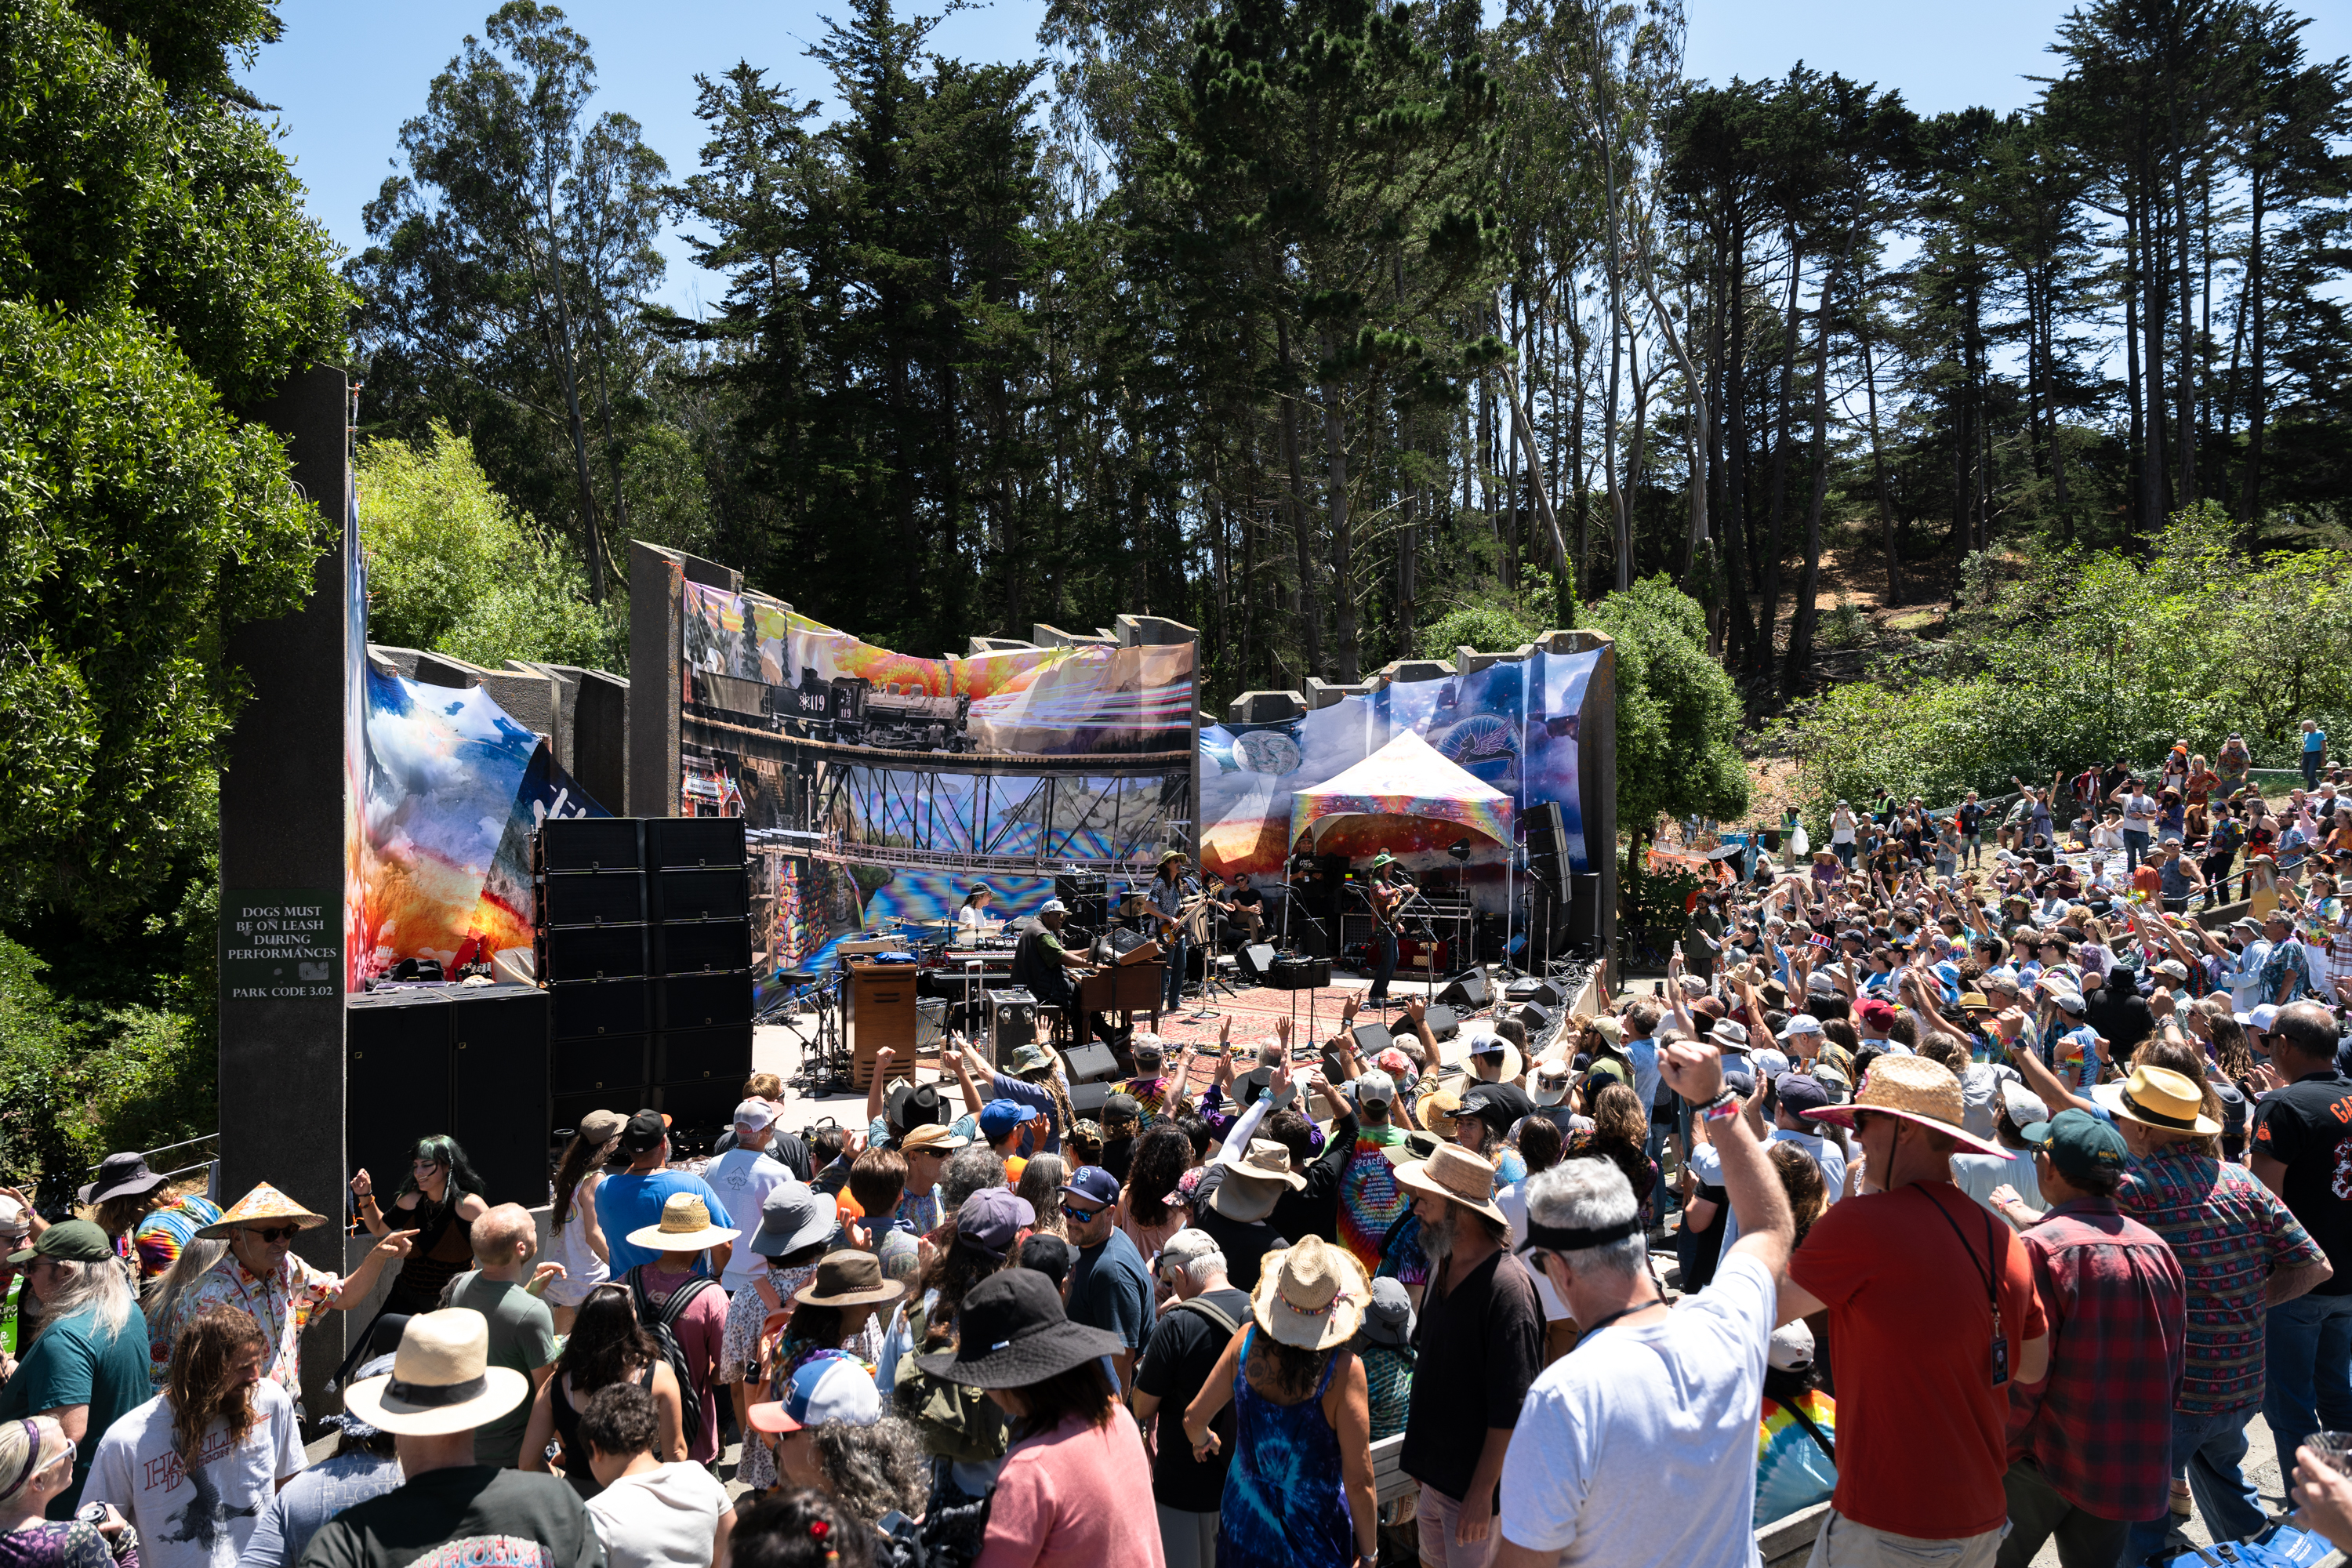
{"x": 1428, "y": 936}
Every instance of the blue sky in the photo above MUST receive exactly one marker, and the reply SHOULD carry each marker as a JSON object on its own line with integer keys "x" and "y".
{"x": 348, "y": 73}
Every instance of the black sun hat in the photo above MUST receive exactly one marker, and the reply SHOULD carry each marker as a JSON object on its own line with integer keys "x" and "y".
{"x": 1011, "y": 1332}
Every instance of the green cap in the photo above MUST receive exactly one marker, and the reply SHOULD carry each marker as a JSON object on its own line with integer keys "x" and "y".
{"x": 76, "y": 1240}
{"x": 2079, "y": 1144}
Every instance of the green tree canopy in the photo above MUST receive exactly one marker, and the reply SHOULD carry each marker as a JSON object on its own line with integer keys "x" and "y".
{"x": 1677, "y": 712}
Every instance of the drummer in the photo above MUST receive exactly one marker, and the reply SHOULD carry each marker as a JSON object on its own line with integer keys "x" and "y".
{"x": 973, "y": 911}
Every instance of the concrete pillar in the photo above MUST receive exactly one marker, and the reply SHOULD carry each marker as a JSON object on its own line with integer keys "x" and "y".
{"x": 282, "y": 819}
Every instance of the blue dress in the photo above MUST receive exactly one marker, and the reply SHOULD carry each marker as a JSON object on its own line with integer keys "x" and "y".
{"x": 1285, "y": 1506}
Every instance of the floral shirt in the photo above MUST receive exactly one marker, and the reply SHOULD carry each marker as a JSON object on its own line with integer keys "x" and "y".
{"x": 2287, "y": 958}
{"x": 284, "y": 1304}
{"x": 2228, "y": 1233}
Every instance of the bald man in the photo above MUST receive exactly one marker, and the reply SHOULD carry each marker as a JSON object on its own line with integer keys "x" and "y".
{"x": 504, "y": 1287}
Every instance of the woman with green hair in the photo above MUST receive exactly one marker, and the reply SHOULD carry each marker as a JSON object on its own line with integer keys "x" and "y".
{"x": 439, "y": 1200}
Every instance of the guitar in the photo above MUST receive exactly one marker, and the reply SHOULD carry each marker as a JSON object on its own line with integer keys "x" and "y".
{"x": 1189, "y": 921}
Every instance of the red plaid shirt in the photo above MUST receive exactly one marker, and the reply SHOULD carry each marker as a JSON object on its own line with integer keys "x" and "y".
{"x": 2100, "y": 1426}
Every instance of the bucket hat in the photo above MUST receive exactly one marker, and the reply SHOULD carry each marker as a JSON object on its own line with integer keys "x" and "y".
{"x": 793, "y": 1216}
{"x": 122, "y": 1176}
{"x": 1012, "y": 1332}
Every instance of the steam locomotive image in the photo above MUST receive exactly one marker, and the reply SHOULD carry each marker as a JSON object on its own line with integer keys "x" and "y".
{"x": 852, "y": 711}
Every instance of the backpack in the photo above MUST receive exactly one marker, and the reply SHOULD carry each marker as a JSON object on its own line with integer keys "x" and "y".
{"x": 660, "y": 1325}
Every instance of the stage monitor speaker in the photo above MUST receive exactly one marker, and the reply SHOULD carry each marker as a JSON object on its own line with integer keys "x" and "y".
{"x": 591, "y": 952}
{"x": 590, "y": 844}
{"x": 679, "y": 842}
{"x": 695, "y": 1056}
{"x": 1253, "y": 960}
{"x": 702, "y": 947}
{"x": 395, "y": 1079}
{"x": 1089, "y": 1098}
{"x": 723, "y": 894}
{"x": 1299, "y": 974}
{"x": 702, "y": 1001}
{"x": 593, "y": 1009}
{"x": 1535, "y": 1017}
{"x": 1091, "y": 1060}
{"x": 1444, "y": 1024}
{"x": 1467, "y": 991}
{"x": 609, "y": 1063}
{"x": 500, "y": 1072}
{"x": 1371, "y": 1040}
{"x": 1550, "y": 993}
{"x": 591, "y": 899}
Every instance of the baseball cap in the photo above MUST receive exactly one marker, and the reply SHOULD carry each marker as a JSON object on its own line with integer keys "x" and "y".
{"x": 2024, "y": 1107}
{"x": 1125, "y": 1105}
{"x": 991, "y": 1218}
{"x": 1800, "y": 1092}
{"x": 2079, "y": 1144}
{"x": 74, "y": 1240}
{"x": 1149, "y": 1052}
{"x": 2070, "y": 1002}
{"x": 1791, "y": 1347}
{"x": 1052, "y": 907}
{"x": 1373, "y": 1087}
{"x": 754, "y": 1115}
{"x": 1876, "y": 1013}
{"x": 1095, "y": 1184}
{"x": 601, "y": 1127}
{"x": 15, "y": 1219}
{"x": 1800, "y": 1024}
{"x": 644, "y": 1131}
{"x": 2261, "y": 1019}
{"x": 830, "y": 1386}
{"x": 999, "y": 1116}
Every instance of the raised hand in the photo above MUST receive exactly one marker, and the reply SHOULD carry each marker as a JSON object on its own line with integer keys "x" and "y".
{"x": 396, "y": 1243}
{"x": 1693, "y": 1071}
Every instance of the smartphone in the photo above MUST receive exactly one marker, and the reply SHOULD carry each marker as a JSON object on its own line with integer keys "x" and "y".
{"x": 1657, "y": 988}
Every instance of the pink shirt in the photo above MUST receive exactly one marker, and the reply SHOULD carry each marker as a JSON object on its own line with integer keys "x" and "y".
{"x": 701, "y": 1332}
{"x": 1066, "y": 1499}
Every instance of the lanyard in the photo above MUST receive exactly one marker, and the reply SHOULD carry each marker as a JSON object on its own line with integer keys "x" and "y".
{"x": 1992, "y": 1295}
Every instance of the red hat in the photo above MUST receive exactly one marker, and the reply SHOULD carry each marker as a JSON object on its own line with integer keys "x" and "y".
{"x": 1878, "y": 1015}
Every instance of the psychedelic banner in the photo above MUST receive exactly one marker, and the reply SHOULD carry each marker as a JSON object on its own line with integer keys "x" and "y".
{"x": 453, "y": 788}
{"x": 1513, "y": 726}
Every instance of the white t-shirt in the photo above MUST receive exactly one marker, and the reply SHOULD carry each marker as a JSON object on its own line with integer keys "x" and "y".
{"x": 1980, "y": 1095}
{"x": 666, "y": 1517}
{"x": 1513, "y": 1201}
{"x": 1665, "y": 1412}
{"x": 200, "y": 1518}
{"x": 743, "y": 1178}
{"x": 1979, "y": 1174}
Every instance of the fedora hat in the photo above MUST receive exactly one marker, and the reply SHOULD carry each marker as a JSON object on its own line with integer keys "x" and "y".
{"x": 1311, "y": 1295}
{"x": 1250, "y": 1185}
{"x": 2159, "y": 1098}
{"x": 1455, "y": 1173}
{"x": 1011, "y": 1332}
{"x": 265, "y": 1201}
{"x": 849, "y": 1279}
{"x": 122, "y": 1176}
{"x": 1729, "y": 1036}
{"x": 1437, "y": 1109}
{"x": 1915, "y": 1089}
{"x": 684, "y": 1228}
{"x": 441, "y": 1379}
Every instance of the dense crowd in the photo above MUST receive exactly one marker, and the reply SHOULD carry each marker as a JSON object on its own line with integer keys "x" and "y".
{"x": 2000, "y": 1203}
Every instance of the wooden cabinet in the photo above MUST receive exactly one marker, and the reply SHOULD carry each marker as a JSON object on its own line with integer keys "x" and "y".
{"x": 881, "y": 1013}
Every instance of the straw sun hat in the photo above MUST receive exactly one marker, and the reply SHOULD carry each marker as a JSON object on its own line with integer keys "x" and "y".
{"x": 684, "y": 1228}
{"x": 265, "y": 1201}
{"x": 1915, "y": 1089}
{"x": 1454, "y": 1172}
{"x": 2159, "y": 1098}
{"x": 1312, "y": 1295}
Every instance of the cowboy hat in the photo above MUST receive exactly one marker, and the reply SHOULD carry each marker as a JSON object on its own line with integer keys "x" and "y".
{"x": 122, "y": 1176}
{"x": 1455, "y": 1173}
{"x": 935, "y": 1137}
{"x": 441, "y": 1379}
{"x": 1252, "y": 1184}
{"x": 1011, "y": 1332}
{"x": 265, "y": 1201}
{"x": 2159, "y": 1098}
{"x": 849, "y": 1279}
{"x": 685, "y": 1226}
{"x": 1917, "y": 1089}
{"x": 1312, "y": 1295}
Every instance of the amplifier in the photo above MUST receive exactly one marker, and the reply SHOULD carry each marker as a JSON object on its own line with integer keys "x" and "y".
{"x": 1011, "y": 1019}
{"x": 1299, "y": 973}
{"x": 591, "y": 899}
{"x": 588, "y": 1010}
{"x": 699, "y": 895}
{"x": 702, "y": 947}
{"x": 590, "y": 953}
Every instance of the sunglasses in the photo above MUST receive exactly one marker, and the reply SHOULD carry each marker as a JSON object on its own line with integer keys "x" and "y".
{"x": 1083, "y": 1217}
{"x": 272, "y": 1233}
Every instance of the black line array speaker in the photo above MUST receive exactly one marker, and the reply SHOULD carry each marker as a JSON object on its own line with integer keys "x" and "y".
{"x": 645, "y": 939}
{"x": 1548, "y": 863}
{"x": 1467, "y": 991}
{"x": 467, "y": 1063}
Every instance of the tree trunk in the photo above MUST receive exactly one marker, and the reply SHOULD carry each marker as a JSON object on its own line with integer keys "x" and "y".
{"x": 1889, "y": 542}
{"x": 1797, "y": 674}
{"x": 1773, "y": 550}
{"x": 2250, "y": 510}
{"x": 1311, "y": 631}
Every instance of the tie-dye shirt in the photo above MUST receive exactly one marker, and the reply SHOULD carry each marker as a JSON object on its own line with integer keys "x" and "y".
{"x": 1370, "y": 1200}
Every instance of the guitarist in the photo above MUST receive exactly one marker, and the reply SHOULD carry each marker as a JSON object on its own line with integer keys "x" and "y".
{"x": 1385, "y": 900}
{"x": 1167, "y": 895}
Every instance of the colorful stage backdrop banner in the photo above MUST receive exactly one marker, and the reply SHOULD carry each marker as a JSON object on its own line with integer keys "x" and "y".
{"x": 1512, "y": 725}
{"x": 912, "y": 777}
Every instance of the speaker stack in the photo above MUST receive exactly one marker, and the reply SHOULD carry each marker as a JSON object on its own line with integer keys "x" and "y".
{"x": 463, "y": 1061}
{"x": 1548, "y": 862}
{"x": 645, "y": 941}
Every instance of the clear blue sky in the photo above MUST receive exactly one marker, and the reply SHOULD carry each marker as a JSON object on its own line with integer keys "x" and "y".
{"x": 348, "y": 73}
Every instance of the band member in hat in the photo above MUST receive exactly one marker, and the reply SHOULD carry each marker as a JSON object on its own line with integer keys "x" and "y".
{"x": 1385, "y": 900}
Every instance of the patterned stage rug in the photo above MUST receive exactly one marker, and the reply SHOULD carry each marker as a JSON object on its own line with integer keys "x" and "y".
{"x": 1254, "y": 1009}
